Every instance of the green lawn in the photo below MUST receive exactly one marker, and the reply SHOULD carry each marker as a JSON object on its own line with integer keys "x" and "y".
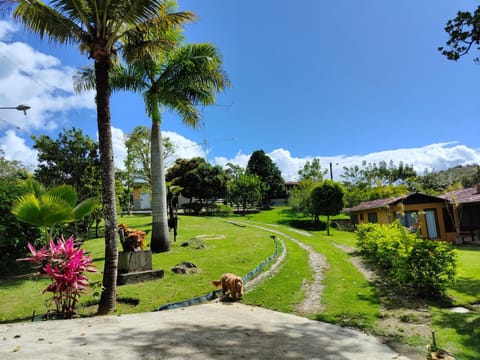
{"x": 217, "y": 246}
{"x": 225, "y": 248}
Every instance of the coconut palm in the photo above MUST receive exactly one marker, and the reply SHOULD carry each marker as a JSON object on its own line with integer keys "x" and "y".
{"x": 98, "y": 28}
{"x": 178, "y": 79}
{"x": 58, "y": 205}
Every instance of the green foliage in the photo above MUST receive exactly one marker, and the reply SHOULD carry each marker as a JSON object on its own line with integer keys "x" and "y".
{"x": 245, "y": 190}
{"x": 411, "y": 264}
{"x": 464, "y": 34}
{"x": 312, "y": 172}
{"x": 262, "y": 165}
{"x": 71, "y": 159}
{"x": 299, "y": 198}
{"x": 14, "y": 234}
{"x": 198, "y": 179}
{"x": 223, "y": 210}
{"x": 46, "y": 208}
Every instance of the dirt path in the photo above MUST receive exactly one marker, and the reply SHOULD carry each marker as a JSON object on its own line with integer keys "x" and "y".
{"x": 313, "y": 290}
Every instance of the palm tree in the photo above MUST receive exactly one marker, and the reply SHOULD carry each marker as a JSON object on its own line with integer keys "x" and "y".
{"x": 178, "y": 79}
{"x": 45, "y": 208}
{"x": 98, "y": 27}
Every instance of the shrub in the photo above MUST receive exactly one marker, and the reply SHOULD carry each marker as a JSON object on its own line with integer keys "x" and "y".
{"x": 194, "y": 207}
{"x": 421, "y": 267}
{"x": 65, "y": 264}
{"x": 223, "y": 210}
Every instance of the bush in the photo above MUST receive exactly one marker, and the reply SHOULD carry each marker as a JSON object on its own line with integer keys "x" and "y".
{"x": 14, "y": 234}
{"x": 223, "y": 210}
{"x": 194, "y": 207}
{"x": 65, "y": 264}
{"x": 421, "y": 267}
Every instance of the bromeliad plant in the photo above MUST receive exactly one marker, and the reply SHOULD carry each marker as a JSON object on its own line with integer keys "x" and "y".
{"x": 65, "y": 263}
{"x": 132, "y": 239}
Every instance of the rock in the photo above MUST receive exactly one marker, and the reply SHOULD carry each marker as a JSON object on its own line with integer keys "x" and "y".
{"x": 185, "y": 267}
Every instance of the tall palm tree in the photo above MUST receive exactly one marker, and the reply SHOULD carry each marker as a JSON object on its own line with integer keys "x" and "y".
{"x": 179, "y": 79}
{"x": 46, "y": 208}
{"x": 98, "y": 27}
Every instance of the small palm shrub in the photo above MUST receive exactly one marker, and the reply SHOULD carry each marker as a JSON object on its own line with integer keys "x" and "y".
{"x": 65, "y": 264}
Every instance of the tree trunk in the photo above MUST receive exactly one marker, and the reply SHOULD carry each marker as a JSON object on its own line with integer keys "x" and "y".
{"x": 108, "y": 297}
{"x": 160, "y": 241}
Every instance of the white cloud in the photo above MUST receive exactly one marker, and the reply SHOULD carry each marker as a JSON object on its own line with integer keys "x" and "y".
{"x": 39, "y": 80}
{"x": 184, "y": 148}
{"x": 14, "y": 148}
{"x": 436, "y": 157}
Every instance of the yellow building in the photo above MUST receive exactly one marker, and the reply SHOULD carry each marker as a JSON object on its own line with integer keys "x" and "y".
{"x": 429, "y": 214}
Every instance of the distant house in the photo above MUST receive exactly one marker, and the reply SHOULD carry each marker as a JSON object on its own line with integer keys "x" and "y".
{"x": 454, "y": 216}
{"x": 415, "y": 210}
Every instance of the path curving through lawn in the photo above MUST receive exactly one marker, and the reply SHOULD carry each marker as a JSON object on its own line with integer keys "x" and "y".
{"x": 313, "y": 290}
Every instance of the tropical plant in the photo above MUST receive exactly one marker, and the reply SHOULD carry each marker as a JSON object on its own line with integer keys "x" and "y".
{"x": 100, "y": 28}
{"x": 132, "y": 239}
{"x": 47, "y": 208}
{"x": 65, "y": 264}
{"x": 178, "y": 79}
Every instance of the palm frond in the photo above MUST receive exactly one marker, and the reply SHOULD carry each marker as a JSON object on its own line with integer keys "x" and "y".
{"x": 85, "y": 208}
{"x": 47, "y": 22}
{"x": 27, "y": 209}
{"x": 84, "y": 79}
{"x": 64, "y": 193}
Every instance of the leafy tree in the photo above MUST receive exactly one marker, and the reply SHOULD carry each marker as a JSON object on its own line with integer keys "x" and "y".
{"x": 14, "y": 234}
{"x": 312, "y": 172}
{"x": 326, "y": 199}
{"x": 198, "y": 179}
{"x": 464, "y": 32}
{"x": 262, "y": 165}
{"x": 99, "y": 30}
{"x": 138, "y": 161}
{"x": 245, "y": 190}
{"x": 179, "y": 79}
{"x": 47, "y": 208}
{"x": 71, "y": 159}
{"x": 299, "y": 198}
{"x": 183, "y": 173}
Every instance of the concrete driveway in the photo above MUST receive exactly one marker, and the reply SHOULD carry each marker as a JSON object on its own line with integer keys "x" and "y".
{"x": 208, "y": 331}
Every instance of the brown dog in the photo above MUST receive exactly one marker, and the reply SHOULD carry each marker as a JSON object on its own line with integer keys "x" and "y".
{"x": 230, "y": 283}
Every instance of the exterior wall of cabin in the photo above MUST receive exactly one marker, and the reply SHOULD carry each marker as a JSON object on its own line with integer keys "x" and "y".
{"x": 387, "y": 215}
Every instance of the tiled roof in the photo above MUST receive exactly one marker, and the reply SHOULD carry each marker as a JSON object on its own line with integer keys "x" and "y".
{"x": 462, "y": 196}
{"x": 374, "y": 204}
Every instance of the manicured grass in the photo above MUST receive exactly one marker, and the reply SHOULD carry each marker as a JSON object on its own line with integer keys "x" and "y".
{"x": 283, "y": 291}
{"x": 225, "y": 248}
{"x": 348, "y": 298}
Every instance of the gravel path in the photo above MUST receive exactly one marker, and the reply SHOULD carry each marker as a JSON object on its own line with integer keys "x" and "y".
{"x": 313, "y": 290}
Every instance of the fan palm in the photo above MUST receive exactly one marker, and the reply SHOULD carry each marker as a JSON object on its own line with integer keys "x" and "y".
{"x": 45, "y": 208}
{"x": 98, "y": 27}
{"x": 178, "y": 79}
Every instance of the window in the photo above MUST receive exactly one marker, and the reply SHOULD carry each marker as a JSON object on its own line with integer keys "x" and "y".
{"x": 372, "y": 217}
{"x": 361, "y": 217}
{"x": 354, "y": 219}
{"x": 408, "y": 219}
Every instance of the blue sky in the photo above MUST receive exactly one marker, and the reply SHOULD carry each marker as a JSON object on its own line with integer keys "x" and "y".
{"x": 343, "y": 81}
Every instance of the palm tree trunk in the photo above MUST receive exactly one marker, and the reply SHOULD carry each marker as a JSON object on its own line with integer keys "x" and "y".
{"x": 160, "y": 241}
{"x": 108, "y": 298}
